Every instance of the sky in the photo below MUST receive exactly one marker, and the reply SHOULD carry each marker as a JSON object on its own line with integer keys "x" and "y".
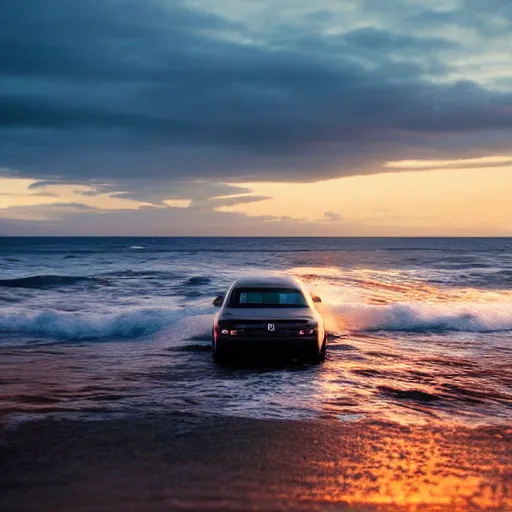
{"x": 242, "y": 117}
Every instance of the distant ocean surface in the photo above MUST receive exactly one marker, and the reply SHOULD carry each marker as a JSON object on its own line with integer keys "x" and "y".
{"x": 420, "y": 329}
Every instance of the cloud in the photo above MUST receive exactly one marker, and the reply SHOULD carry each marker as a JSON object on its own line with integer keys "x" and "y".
{"x": 220, "y": 202}
{"x": 43, "y": 212}
{"x": 198, "y": 192}
{"x": 332, "y": 217}
{"x": 178, "y": 222}
{"x": 48, "y": 220}
{"x": 178, "y": 203}
{"x": 73, "y": 206}
{"x": 125, "y": 90}
{"x": 498, "y": 160}
{"x": 384, "y": 41}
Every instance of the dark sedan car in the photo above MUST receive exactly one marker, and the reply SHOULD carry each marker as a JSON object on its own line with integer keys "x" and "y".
{"x": 271, "y": 314}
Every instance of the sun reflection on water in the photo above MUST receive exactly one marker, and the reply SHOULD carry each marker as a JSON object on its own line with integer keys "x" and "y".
{"x": 417, "y": 469}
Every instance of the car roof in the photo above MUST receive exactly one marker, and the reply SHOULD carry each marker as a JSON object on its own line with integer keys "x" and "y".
{"x": 267, "y": 282}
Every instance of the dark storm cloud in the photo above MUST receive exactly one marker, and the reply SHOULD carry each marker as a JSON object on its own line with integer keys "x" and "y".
{"x": 132, "y": 93}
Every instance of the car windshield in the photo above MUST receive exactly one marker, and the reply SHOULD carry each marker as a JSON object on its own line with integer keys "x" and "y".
{"x": 267, "y": 298}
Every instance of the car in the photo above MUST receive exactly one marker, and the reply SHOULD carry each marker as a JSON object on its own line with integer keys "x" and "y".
{"x": 274, "y": 315}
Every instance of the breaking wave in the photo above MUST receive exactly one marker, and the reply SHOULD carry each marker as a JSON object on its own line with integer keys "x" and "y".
{"x": 415, "y": 317}
{"x": 87, "y": 326}
{"x": 355, "y": 317}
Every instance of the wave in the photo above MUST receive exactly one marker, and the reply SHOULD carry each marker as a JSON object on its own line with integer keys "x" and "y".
{"x": 198, "y": 280}
{"x": 416, "y": 317}
{"x": 48, "y": 281}
{"x": 484, "y": 279}
{"x": 142, "y": 274}
{"x": 87, "y": 326}
{"x": 355, "y": 317}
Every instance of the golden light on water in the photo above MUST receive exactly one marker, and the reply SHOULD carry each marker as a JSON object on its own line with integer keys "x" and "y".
{"x": 392, "y": 375}
{"x": 415, "y": 470}
{"x": 390, "y": 286}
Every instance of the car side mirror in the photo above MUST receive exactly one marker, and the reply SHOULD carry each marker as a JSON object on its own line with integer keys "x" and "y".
{"x": 316, "y": 298}
{"x": 219, "y": 300}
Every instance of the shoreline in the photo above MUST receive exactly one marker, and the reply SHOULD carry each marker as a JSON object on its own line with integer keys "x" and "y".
{"x": 184, "y": 462}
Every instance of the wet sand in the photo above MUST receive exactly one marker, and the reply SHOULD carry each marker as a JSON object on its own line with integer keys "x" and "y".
{"x": 192, "y": 463}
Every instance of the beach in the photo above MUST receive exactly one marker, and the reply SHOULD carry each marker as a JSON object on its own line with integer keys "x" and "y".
{"x": 181, "y": 462}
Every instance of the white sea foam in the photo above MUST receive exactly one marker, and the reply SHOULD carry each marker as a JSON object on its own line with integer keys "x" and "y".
{"x": 420, "y": 317}
{"x": 128, "y": 323}
{"x": 140, "y": 322}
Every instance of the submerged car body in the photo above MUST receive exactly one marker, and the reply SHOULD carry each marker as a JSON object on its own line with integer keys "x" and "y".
{"x": 270, "y": 314}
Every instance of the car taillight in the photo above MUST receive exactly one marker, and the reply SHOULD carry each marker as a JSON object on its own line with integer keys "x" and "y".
{"x": 229, "y": 332}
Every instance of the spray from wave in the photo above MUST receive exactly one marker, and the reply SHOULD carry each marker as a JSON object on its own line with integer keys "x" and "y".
{"x": 417, "y": 317}
{"x": 88, "y": 326}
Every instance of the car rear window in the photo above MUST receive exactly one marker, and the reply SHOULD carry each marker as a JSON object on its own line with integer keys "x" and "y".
{"x": 267, "y": 298}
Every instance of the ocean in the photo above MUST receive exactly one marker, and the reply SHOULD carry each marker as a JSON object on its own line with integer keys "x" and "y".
{"x": 420, "y": 330}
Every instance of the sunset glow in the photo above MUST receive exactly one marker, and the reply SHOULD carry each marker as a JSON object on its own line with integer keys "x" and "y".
{"x": 467, "y": 201}
{"x": 471, "y": 202}
{"x": 435, "y": 164}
